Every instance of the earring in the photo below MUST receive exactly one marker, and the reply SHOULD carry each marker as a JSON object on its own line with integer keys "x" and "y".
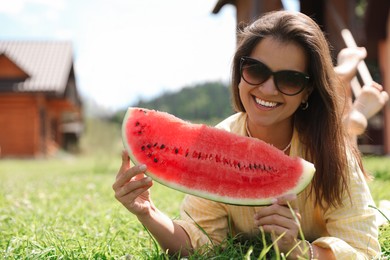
{"x": 304, "y": 105}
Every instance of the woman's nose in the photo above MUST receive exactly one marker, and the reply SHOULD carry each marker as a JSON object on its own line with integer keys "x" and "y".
{"x": 268, "y": 87}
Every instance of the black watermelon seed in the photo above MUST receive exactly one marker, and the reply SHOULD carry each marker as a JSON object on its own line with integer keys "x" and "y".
{"x": 162, "y": 146}
{"x": 155, "y": 160}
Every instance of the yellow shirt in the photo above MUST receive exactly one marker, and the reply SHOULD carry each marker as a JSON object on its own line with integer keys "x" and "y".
{"x": 349, "y": 231}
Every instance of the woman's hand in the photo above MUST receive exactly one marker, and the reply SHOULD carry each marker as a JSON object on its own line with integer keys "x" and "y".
{"x": 132, "y": 190}
{"x": 131, "y": 187}
{"x": 278, "y": 219}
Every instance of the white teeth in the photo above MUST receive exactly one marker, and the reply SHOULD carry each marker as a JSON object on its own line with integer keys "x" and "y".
{"x": 266, "y": 103}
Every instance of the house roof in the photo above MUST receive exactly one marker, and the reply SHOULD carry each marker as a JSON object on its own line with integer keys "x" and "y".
{"x": 48, "y": 63}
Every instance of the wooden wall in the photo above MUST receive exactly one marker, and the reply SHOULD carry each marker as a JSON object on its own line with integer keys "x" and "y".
{"x": 30, "y": 124}
{"x": 20, "y": 125}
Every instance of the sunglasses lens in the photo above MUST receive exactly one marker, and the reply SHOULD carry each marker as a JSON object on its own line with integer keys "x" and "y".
{"x": 290, "y": 82}
{"x": 254, "y": 73}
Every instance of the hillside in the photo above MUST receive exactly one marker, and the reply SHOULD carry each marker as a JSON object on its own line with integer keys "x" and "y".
{"x": 208, "y": 103}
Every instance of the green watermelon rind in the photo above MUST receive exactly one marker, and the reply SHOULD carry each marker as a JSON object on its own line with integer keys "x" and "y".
{"x": 305, "y": 179}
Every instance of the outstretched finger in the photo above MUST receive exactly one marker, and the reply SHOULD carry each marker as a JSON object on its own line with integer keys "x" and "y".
{"x": 125, "y": 163}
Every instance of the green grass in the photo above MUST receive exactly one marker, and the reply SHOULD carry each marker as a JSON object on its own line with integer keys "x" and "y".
{"x": 64, "y": 207}
{"x": 384, "y": 240}
{"x": 379, "y": 168}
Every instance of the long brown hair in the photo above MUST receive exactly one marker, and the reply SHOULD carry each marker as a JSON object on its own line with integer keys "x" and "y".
{"x": 320, "y": 126}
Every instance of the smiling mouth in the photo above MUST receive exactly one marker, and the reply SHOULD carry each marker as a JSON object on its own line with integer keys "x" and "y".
{"x": 267, "y": 104}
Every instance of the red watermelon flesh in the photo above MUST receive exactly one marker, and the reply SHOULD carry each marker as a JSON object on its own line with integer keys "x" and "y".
{"x": 209, "y": 162}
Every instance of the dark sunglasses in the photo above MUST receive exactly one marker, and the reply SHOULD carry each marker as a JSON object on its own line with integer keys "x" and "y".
{"x": 288, "y": 82}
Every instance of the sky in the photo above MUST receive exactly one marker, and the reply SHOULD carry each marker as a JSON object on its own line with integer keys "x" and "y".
{"x": 126, "y": 50}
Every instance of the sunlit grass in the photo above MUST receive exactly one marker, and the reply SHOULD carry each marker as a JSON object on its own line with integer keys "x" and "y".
{"x": 64, "y": 208}
{"x": 379, "y": 168}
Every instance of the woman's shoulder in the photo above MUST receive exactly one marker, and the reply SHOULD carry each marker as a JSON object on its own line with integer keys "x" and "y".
{"x": 234, "y": 123}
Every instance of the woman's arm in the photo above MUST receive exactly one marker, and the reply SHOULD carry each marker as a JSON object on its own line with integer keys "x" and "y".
{"x": 169, "y": 235}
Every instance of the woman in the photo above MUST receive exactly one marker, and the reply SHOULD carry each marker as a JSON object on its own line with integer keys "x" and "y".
{"x": 284, "y": 90}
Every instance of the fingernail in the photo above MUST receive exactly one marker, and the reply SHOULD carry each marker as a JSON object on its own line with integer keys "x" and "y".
{"x": 142, "y": 167}
{"x": 148, "y": 179}
{"x": 125, "y": 156}
{"x": 274, "y": 200}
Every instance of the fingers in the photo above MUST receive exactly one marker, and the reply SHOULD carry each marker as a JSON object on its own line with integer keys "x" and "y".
{"x": 126, "y": 165}
{"x": 130, "y": 181}
{"x": 126, "y": 174}
{"x": 279, "y": 217}
{"x": 286, "y": 221}
{"x": 275, "y": 214}
{"x": 280, "y": 220}
{"x": 134, "y": 188}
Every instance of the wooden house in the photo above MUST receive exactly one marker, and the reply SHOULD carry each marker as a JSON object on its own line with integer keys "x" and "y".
{"x": 371, "y": 29}
{"x": 40, "y": 107}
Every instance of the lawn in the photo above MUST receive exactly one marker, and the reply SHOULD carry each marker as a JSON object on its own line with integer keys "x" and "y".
{"x": 64, "y": 207}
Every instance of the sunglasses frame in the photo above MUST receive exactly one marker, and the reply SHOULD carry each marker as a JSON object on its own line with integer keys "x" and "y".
{"x": 273, "y": 74}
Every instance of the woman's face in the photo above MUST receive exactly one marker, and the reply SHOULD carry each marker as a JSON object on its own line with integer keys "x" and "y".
{"x": 265, "y": 105}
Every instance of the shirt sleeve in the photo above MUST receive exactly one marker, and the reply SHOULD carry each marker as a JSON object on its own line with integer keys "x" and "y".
{"x": 205, "y": 221}
{"x": 353, "y": 232}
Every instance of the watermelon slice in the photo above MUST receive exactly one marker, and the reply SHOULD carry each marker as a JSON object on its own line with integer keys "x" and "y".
{"x": 209, "y": 162}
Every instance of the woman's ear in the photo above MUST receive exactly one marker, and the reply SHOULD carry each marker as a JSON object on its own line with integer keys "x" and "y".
{"x": 308, "y": 93}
